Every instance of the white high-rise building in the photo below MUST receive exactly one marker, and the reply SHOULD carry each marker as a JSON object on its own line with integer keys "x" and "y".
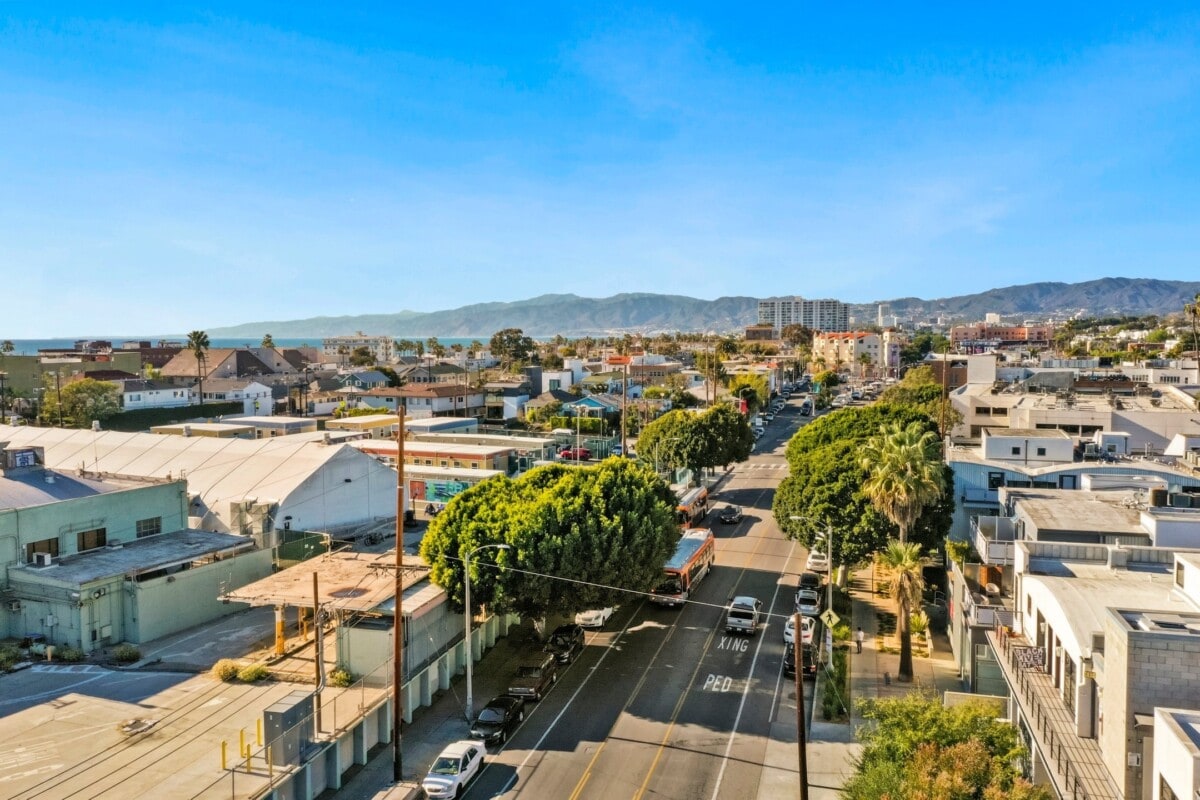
{"x": 820, "y": 315}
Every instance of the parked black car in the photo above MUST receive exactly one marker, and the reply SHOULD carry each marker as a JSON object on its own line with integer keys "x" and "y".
{"x": 565, "y": 643}
{"x": 730, "y": 515}
{"x": 810, "y": 580}
{"x": 809, "y": 666}
{"x": 498, "y": 719}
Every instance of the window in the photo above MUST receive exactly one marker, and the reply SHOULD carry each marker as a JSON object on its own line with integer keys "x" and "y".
{"x": 90, "y": 540}
{"x": 1016, "y": 451}
{"x": 148, "y": 527}
{"x": 1041, "y": 451}
{"x": 44, "y": 546}
{"x": 995, "y": 480}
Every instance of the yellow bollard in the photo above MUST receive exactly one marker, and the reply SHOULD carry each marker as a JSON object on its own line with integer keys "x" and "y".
{"x": 258, "y": 732}
{"x": 270, "y": 765}
{"x": 242, "y": 742}
{"x": 223, "y": 745}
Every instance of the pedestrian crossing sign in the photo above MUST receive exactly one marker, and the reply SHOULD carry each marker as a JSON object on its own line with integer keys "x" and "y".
{"x": 829, "y": 618}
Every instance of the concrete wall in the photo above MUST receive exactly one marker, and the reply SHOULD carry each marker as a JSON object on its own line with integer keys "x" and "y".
{"x": 172, "y": 603}
{"x": 1176, "y": 755}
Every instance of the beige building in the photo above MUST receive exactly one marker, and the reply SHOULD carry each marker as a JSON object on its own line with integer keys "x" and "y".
{"x": 338, "y": 349}
{"x": 860, "y": 352}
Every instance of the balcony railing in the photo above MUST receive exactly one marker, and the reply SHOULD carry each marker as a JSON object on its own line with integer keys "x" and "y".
{"x": 993, "y": 538}
{"x": 1075, "y": 764}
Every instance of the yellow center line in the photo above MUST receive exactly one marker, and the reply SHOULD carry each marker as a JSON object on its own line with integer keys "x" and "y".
{"x": 587, "y": 773}
{"x": 699, "y": 662}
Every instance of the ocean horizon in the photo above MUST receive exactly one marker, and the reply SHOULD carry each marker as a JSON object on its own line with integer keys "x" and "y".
{"x": 31, "y": 347}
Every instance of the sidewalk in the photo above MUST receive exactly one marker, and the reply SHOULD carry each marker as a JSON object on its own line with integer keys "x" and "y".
{"x": 832, "y": 749}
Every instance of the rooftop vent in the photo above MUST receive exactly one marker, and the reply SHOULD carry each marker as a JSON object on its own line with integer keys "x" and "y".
{"x": 115, "y": 544}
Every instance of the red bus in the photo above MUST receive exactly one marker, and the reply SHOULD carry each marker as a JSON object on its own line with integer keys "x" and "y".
{"x": 683, "y": 572}
{"x": 692, "y": 508}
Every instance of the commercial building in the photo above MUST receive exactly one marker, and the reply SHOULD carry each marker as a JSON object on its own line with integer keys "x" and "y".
{"x": 820, "y": 315}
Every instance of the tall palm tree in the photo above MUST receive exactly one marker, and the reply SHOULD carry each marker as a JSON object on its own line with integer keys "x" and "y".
{"x": 1192, "y": 311}
{"x": 197, "y": 342}
{"x": 903, "y": 565}
{"x": 904, "y": 473}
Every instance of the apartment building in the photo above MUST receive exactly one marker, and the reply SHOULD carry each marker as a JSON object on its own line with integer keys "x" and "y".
{"x": 981, "y": 335}
{"x": 1083, "y": 607}
{"x": 338, "y": 349}
{"x": 860, "y": 352}
{"x": 820, "y": 315}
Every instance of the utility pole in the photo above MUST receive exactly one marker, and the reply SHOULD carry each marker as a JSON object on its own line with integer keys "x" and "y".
{"x": 397, "y": 619}
{"x": 801, "y": 732}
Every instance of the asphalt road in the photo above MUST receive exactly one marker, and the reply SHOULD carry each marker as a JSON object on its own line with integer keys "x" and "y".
{"x": 673, "y": 707}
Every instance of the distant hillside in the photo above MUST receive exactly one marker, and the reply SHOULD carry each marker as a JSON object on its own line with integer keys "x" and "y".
{"x": 571, "y": 315}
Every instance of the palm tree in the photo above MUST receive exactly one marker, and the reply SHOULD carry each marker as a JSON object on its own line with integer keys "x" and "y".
{"x": 197, "y": 342}
{"x": 904, "y": 473}
{"x": 903, "y": 565}
{"x": 1192, "y": 311}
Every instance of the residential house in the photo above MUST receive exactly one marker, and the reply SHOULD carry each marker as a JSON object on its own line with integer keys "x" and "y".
{"x": 138, "y": 394}
{"x": 256, "y": 397}
{"x": 505, "y": 400}
{"x": 426, "y": 400}
{"x": 267, "y": 365}
{"x": 433, "y": 373}
{"x": 363, "y": 380}
{"x": 860, "y": 352}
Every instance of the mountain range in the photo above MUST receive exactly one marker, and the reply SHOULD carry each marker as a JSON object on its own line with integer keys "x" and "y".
{"x": 571, "y": 315}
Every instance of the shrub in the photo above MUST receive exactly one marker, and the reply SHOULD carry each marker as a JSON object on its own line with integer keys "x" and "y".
{"x": 126, "y": 654}
{"x": 841, "y": 632}
{"x": 918, "y": 623}
{"x": 341, "y": 677}
{"x": 253, "y": 673}
{"x": 225, "y": 670}
{"x": 9, "y": 656}
{"x": 71, "y": 655}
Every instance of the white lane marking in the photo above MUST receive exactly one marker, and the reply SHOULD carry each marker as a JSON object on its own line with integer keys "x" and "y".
{"x": 746, "y": 691}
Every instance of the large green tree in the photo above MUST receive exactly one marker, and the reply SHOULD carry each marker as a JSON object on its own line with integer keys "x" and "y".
{"x": 904, "y": 472}
{"x": 84, "y": 401}
{"x": 197, "y": 342}
{"x": 825, "y": 485}
{"x": 716, "y": 438}
{"x": 915, "y": 748}
{"x": 511, "y": 346}
{"x": 579, "y": 537}
{"x": 751, "y": 388}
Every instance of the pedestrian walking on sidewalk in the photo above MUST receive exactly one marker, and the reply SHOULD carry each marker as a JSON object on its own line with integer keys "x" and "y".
{"x": 858, "y": 638}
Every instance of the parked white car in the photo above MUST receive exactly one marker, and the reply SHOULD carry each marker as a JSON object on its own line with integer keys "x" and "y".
{"x": 808, "y": 625}
{"x": 454, "y": 769}
{"x": 817, "y": 562}
{"x": 595, "y": 618}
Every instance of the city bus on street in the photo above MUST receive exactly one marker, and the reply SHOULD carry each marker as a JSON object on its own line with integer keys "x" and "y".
{"x": 693, "y": 507}
{"x": 683, "y": 572}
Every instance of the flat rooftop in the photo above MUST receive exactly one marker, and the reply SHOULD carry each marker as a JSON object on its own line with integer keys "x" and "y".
{"x": 349, "y": 581}
{"x": 214, "y": 427}
{"x": 139, "y": 555}
{"x": 1079, "y": 511}
{"x": 1028, "y": 433}
{"x": 27, "y": 487}
{"x": 426, "y": 447}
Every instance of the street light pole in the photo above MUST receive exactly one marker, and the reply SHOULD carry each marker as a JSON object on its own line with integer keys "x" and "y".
{"x": 467, "y": 622}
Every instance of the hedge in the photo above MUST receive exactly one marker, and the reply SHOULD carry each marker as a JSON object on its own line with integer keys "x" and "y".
{"x": 143, "y": 419}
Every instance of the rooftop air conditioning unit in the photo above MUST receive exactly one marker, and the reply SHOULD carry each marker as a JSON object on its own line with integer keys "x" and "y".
{"x": 42, "y": 559}
{"x": 14, "y": 605}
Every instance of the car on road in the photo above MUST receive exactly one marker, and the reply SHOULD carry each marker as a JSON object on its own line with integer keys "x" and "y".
{"x": 808, "y": 662}
{"x": 454, "y": 769}
{"x": 617, "y": 450}
{"x": 808, "y": 626}
{"x": 810, "y": 580}
{"x": 743, "y": 615}
{"x": 808, "y": 602}
{"x": 575, "y": 454}
{"x": 565, "y": 643}
{"x": 730, "y": 515}
{"x": 817, "y": 562}
{"x": 594, "y": 618}
{"x": 535, "y": 677}
{"x": 498, "y": 719}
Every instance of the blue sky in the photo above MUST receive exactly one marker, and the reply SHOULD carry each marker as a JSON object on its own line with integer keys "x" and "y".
{"x": 164, "y": 170}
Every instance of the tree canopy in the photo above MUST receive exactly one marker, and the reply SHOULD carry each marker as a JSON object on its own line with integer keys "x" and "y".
{"x": 716, "y": 438}
{"x": 579, "y": 537}
{"x": 83, "y": 402}
{"x": 751, "y": 388}
{"x": 917, "y": 749}
{"x": 512, "y": 346}
{"x": 904, "y": 472}
{"x": 361, "y": 357}
{"x": 825, "y": 485}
